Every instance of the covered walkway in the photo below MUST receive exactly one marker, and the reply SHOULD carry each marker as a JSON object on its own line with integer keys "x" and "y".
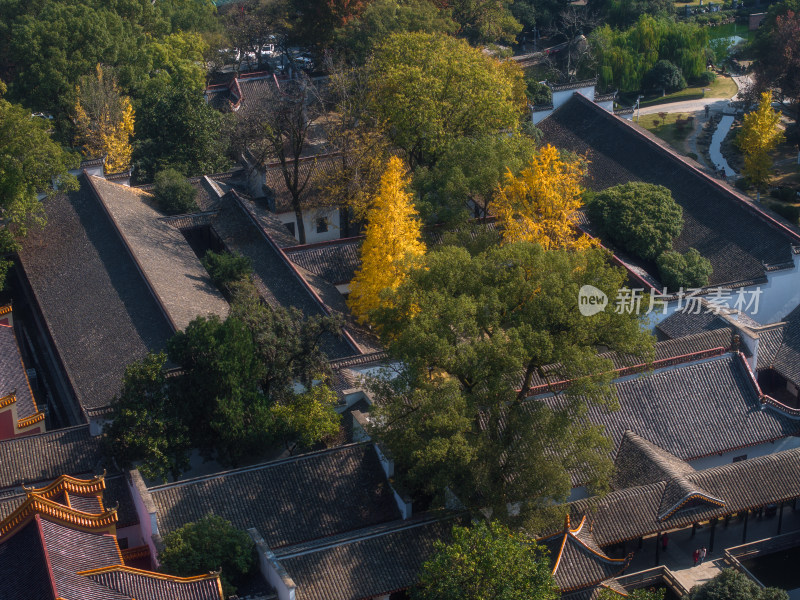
{"x": 682, "y": 543}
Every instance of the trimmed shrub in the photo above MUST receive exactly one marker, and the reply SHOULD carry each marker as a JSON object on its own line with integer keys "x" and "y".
{"x": 688, "y": 270}
{"x": 706, "y": 78}
{"x": 664, "y": 75}
{"x": 173, "y": 193}
{"x": 640, "y": 217}
{"x": 209, "y": 544}
{"x": 225, "y": 268}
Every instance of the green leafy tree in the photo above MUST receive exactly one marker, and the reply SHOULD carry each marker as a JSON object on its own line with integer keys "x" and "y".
{"x": 176, "y": 128}
{"x": 233, "y": 376}
{"x": 209, "y": 544}
{"x": 173, "y": 193}
{"x": 757, "y": 138}
{"x": 218, "y": 393}
{"x": 624, "y": 56}
{"x": 688, "y": 270}
{"x": 483, "y": 327}
{"x": 50, "y": 45}
{"x": 777, "y": 51}
{"x": 429, "y": 90}
{"x": 383, "y": 18}
{"x": 288, "y": 346}
{"x": 308, "y": 418}
{"x": 642, "y": 218}
{"x": 31, "y": 162}
{"x": 733, "y": 585}
{"x": 538, "y": 93}
{"x": 487, "y": 561}
{"x": 226, "y": 268}
{"x": 464, "y": 181}
{"x": 146, "y": 429}
{"x": 486, "y": 21}
{"x": 664, "y": 76}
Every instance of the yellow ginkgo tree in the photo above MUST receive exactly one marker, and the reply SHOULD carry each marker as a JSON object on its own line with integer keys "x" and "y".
{"x": 758, "y": 137}
{"x": 104, "y": 121}
{"x": 542, "y": 204}
{"x": 392, "y": 245}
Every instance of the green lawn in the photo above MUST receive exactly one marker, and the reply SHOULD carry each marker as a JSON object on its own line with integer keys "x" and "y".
{"x": 722, "y": 87}
{"x": 667, "y": 130}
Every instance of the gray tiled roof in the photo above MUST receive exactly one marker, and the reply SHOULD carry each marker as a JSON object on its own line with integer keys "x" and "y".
{"x": 13, "y": 378}
{"x": 70, "y": 551}
{"x": 722, "y": 226}
{"x": 289, "y": 501}
{"x": 640, "y": 462}
{"x": 693, "y": 410}
{"x": 244, "y": 230}
{"x": 633, "y": 512}
{"x": 23, "y": 570}
{"x": 98, "y": 310}
{"x": 313, "y": 167}
{"x": 178, "y": 279}
{"x": 147, "y": 586}
{"x": 680, "y": 324}
{"x": 336, "y": 261}
{"x": 786, "y": 358}
{"x": 45, "y": 456}
{"x": 578, "y": 562}
{"x": 369, "y": 565}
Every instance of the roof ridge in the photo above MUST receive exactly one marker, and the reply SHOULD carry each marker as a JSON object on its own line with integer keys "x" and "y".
{"x": 260, "y": 466}
{"x": 50, "y": 432}
{"x": 358, "y": 535}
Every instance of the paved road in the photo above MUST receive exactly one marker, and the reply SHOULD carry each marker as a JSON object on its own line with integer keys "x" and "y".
{"x": 717, "y": 104}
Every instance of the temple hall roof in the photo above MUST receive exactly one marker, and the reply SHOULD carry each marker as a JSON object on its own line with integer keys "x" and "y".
{"x": 97, "y": 308}
{"x": 633, "y": 512}
{"x": 289, "y": 501}
{"x": 577, "y": 561}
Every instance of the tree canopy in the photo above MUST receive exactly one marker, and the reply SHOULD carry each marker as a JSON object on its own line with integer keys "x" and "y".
{"x": 391, "y": 246}
{"x": 624, "y": 56}
{"x": 541, "y": 204}
{"x": 382, "y": 18}
{"x": 777, "y": 51}
{"x": 467, "y": 176}
{"x": 758, "y": 137}
{"x": 664, "y": 76}
{"x": 642, "y": 218}
{"x": 31, "y": 163}
{"x": 104, "y": 121}
{"x": 209, "y": 544}
{"x": 733, "y": 585}
{"x": 487, "y": 561}
{"x": 235, "y": 396}
{"x": 482, "y": 328}
{"x": 429, "y": 90}
{"x": 176, "y": 128}
{"x": 688, "y": 270}
{"x": 173, "y": 193}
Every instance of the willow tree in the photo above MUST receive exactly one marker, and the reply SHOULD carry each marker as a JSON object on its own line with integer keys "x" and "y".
{"x": 759, "y": 136}
{"x": 391, "y": 246}
{"x": 541, "y": 204}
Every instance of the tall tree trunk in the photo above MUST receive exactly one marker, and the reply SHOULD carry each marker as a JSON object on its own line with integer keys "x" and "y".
{"x": 301, "y": 228}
